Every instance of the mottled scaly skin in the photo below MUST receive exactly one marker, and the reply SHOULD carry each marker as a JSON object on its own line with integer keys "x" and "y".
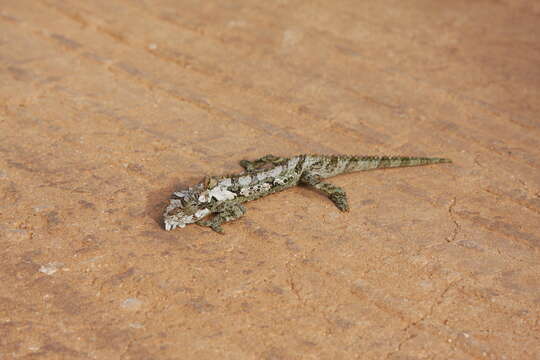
{"x": 223, "y": 196}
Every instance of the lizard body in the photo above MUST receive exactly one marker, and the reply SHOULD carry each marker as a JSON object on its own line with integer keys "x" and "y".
{"x": 223, "y": 196}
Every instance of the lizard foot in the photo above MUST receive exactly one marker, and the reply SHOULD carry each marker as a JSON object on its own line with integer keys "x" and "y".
{"x": 340, "y": 200}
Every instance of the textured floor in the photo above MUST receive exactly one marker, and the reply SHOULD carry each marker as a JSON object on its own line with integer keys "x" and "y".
{"x": 107, "y": 106}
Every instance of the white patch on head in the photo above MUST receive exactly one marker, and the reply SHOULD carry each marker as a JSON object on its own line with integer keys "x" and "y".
{"x": 244, "y": 180}
{"x": 202, "y": 213}
{"x": 221, "y": 194}
{"x": 279, "y": 181}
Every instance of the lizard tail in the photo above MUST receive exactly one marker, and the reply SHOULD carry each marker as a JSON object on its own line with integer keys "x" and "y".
{"x": 361, "y": 163}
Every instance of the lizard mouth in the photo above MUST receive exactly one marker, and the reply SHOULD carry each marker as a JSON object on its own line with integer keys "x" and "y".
{"x": 171, "y": 224}
{"x": 174, "y": 221}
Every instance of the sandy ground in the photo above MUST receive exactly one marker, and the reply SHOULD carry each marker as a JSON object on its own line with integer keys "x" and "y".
{"x": 106, "y": 107}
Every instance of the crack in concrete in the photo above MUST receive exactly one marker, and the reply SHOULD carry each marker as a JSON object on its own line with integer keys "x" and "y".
{"x": 400, "y": 345}
{"x": 428, "y": 314}
{"x": 440, "y": 299}
{"x": 457, "y": 226}
{"x": 292, "y": 284}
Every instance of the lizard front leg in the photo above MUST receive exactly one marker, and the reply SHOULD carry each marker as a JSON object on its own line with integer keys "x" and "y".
{"x": 225, "y": 213}
{"x": 259, "y": 163}
{"x": 334, "y": 193}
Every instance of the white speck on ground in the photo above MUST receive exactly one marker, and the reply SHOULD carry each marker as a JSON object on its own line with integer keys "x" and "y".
{"x": 50, "y": 268}
{"x": 291, "y": 38}
{"x": 131, "y": 304}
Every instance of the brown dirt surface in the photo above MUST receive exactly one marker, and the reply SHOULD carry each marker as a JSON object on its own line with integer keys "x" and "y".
{"x": 107, "y": 106}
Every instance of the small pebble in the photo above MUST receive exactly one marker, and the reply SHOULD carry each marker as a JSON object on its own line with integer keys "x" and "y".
{"x": 131, "y": 304}
{"x": 50, "y": 268}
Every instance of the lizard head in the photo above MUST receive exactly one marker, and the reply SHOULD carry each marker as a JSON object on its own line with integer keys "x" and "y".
{"x": 184, "y": 208}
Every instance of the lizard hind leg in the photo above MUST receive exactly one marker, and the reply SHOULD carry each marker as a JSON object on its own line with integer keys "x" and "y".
{"x": 225, "y": 213}
{"x": 261, "y": 162}
{"x": 336, "y": 194}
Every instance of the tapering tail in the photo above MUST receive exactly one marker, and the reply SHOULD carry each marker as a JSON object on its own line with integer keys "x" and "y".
{"x": 326, "y": 166}
{"x": 361, "y": 163}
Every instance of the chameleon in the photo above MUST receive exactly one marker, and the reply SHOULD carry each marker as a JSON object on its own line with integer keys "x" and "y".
{"x": 219, "y": 199}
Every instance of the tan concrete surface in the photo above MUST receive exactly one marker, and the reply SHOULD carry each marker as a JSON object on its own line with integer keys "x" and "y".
{"x": 107, "y": 106}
